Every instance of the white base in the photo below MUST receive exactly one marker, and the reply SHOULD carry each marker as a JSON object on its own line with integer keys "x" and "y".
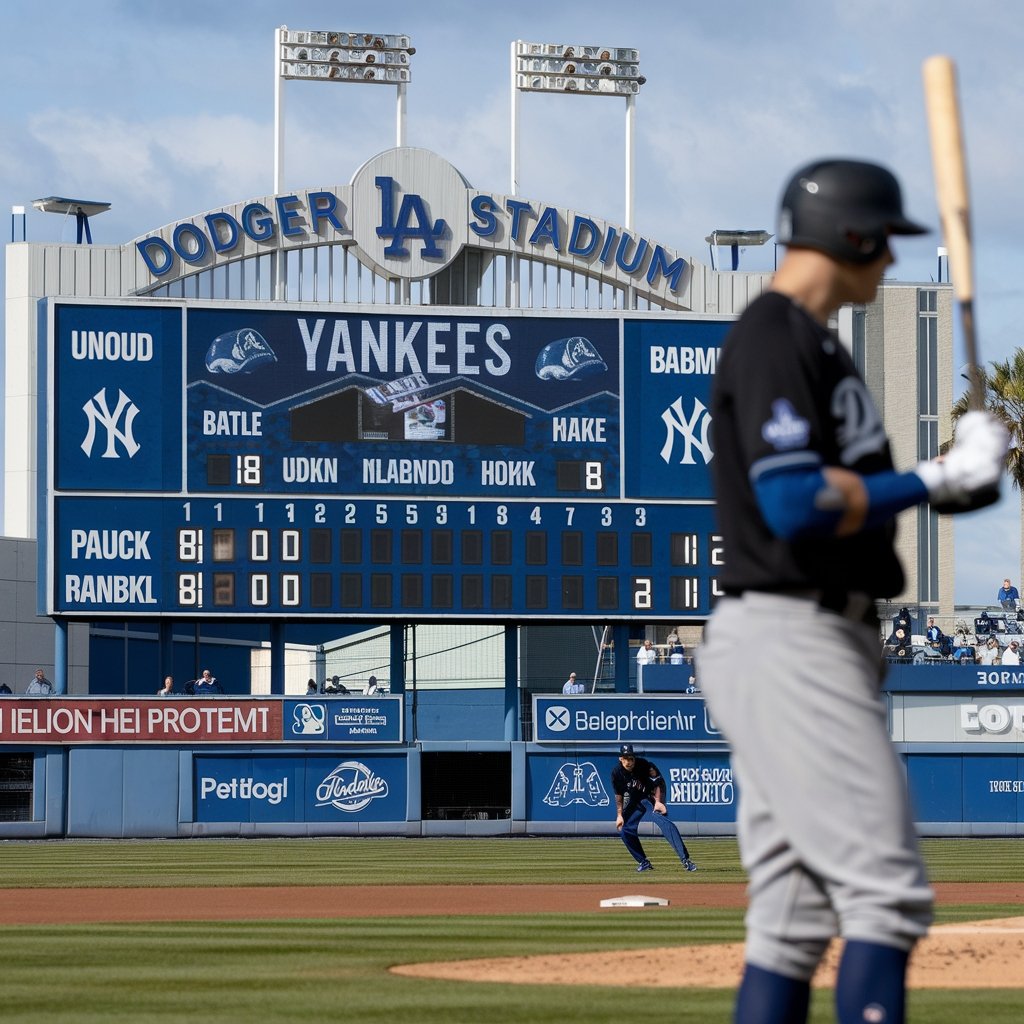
{"x": 635, "y": 901}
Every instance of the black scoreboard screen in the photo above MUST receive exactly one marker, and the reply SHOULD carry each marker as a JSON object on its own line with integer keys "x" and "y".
{"x": 202, "y": 460}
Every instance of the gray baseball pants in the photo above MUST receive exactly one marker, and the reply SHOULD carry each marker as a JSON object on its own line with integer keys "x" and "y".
{"x": 825, "y": 830}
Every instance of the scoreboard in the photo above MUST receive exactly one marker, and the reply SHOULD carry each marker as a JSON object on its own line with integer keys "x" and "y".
{"x": 202, "y": 459}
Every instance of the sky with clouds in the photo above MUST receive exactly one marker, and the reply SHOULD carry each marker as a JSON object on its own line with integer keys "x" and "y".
{"x": 166, "y": 110}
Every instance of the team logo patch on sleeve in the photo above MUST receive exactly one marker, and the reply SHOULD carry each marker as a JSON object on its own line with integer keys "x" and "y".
{"x": 239, "y": 352}
{"x": 569, "y": 358}
{"x": 786, "y": 430}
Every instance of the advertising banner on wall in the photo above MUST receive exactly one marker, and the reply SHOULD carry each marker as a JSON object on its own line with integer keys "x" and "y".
{"x": 335, "y": 788}
{"x": 201, "y": 720}
{"x": 939, "y": 718}
{"x": 577, "y": 786}
{"x": 347, "y": 720}
{"x": 654, "y": 718}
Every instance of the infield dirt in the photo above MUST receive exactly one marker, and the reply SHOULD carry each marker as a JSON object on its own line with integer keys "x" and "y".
{"x": 985, "y": 954}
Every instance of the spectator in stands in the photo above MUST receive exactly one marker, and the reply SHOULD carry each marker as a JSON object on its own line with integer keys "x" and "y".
{"x": 371, "y": 686}
{"x": 982, "y": 626}
{"x": 335, "y": 685}
{"x": 963, "y": 650}
{"x": 207, "y": 685}
{"x": 989, "y": 654}
{"x": 572, "y": 686}
{"x": 676, "y": 650}
{"x": 40, "y": 685}
{"x": 646, "y": 655}
{"x": 167, "y": 690}
{"x": 1011, "y": 656}
{"x": 5, "y": 689}
{"x": 1008, "y": 596}
{"x": 937, "y": 640}
{"x": 311, "y": 687}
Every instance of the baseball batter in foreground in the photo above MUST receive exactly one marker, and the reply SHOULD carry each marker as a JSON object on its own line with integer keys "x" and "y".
{"x": 806, "y": 497}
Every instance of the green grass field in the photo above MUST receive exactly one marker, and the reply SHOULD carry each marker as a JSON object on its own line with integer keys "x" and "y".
{"x": 323, "y": 970}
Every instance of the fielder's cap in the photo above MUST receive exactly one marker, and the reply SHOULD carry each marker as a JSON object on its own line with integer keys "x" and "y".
{"x": 626, "y": 750}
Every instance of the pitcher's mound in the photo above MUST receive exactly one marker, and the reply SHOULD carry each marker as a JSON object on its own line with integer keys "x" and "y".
{"x": 982, "y": 954}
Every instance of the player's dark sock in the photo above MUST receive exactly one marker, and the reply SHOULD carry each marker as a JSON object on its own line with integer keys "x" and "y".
{"x": 769, "y": 998}
{"x": 870, "y": 987}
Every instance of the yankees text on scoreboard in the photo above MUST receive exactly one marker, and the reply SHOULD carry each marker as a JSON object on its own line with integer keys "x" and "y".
{"x": 204, "y": 459}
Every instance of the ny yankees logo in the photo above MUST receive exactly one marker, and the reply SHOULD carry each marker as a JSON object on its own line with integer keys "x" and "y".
{"x": 400, "y": 228}
{"x": 676, "y": 424}
{"x": 98, "y": 412}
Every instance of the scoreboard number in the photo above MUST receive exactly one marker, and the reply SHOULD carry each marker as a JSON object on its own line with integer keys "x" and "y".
{"x": 249, "y": 470}
{"x": 190, "y": 545}
{"x": 190, "y": 589}
{"x": 642, "y": 593}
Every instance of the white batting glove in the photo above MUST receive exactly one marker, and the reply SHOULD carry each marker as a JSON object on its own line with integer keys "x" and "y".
{"x": 974, "y": 464}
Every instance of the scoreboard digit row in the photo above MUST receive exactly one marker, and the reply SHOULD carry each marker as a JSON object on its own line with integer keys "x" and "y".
{"x": 407, "y": 592}
{"x": 249, "y": 471}
{"x": 380, "y": 557}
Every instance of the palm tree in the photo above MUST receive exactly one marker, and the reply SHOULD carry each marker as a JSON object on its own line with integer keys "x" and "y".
{"x": 1003, "y": 390}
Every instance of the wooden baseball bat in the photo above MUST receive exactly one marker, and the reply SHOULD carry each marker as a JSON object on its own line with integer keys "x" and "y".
{"x": 949, "y": 162}
{"x": 950, "y": 165}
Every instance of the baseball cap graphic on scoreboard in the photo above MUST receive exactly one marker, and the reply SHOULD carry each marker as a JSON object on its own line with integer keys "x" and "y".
{"x": 569, "y": 358}
{"x": 241, "y": 351}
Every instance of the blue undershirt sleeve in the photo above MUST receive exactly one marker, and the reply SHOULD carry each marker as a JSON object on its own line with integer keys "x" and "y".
{"x": 798, "y": 502}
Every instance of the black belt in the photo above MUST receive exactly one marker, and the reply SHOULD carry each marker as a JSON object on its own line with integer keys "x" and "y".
{"x": 850, "y": 604}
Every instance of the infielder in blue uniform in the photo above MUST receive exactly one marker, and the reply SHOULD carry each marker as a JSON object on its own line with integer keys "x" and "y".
{"x": 638, "y": 788}
{"x": 806, "y": 499}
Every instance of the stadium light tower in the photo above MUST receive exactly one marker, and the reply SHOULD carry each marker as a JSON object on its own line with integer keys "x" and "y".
{"x": 329, "y": 56}
{"x": 577, "y": 70}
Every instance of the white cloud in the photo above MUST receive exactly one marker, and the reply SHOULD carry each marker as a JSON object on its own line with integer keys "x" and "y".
{"x": 156, "y": 162}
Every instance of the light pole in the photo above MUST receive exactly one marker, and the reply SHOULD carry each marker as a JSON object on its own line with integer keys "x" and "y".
{"x": 580, "y": 71}
{"x": 330, "y": 56}
{"x": 370, "y": 58}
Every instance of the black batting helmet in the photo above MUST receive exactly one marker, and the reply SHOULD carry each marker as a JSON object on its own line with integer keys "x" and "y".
{"x": 845, "y": 208}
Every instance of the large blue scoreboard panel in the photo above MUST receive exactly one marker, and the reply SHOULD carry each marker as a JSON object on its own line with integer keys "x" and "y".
{"x": 200, "y": 459}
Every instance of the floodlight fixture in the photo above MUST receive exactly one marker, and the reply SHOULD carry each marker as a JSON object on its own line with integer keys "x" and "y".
{"x": 735, "y": 238}
{"x": 586, "y": 70}
{"x": 582, "y": 70}
{"x": 83, "y": 209}
{"x": 327, "y": 55}
{"x": 345, "y": 56}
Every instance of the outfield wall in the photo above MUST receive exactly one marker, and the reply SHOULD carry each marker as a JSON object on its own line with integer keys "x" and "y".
{"x": 139, "y": 768}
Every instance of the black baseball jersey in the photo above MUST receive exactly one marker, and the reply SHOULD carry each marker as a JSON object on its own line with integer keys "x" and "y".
{"x": 635, "y": 784}
{"x": 785, "y": 393}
